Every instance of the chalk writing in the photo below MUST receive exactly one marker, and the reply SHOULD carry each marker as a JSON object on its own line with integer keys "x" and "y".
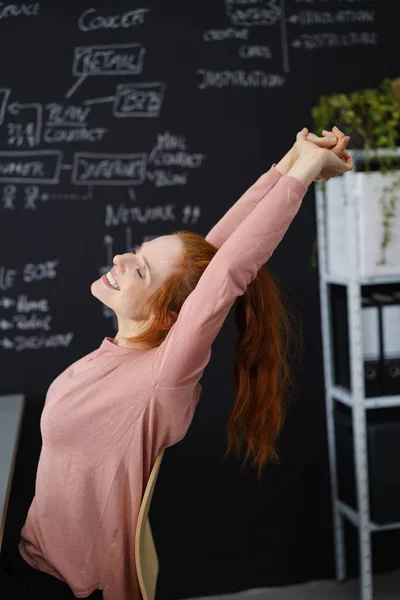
{"x": 139, "y": 99}
{"x": 134, "y": 214}
{"x": 191, "y": 214}
{"x": 310, "y": 17}
{"x": 31, "y": 166}
{"x": 171, "y": 151}
{"x": 39, "y": 272}
{"x": 91, "y": 20}
{"x": 331, "y": 40}
{"x": 253, "y": 12}
{"x": 20, "y": 342}
{"x": 249, "y": 51}
{"x": 30, "y": 195}
{"x": 219, "y": 35}
{"x": 60, "y": 114}
{"x": 82, "y": 134}
{"x": 244, "y": 79}
{"x": 178, "y": 159}
{"x": 25, "y": 305}
{"x": 112, "y": 59}
{"x": 164, "y": 178}
{"x": 32, "y": 322}
{"x": 168, "y": 141}
{"x": 19, "y": 10}
{"x": 7, "y": 278}
{"x": 27, "y": 130}
{"x": 108, "y": 169}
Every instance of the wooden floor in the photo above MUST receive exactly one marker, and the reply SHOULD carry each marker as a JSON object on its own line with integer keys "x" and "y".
{"x": 386, "y": 587}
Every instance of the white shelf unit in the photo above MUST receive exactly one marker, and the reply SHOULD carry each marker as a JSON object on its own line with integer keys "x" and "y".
{"x": 355, "y": 399}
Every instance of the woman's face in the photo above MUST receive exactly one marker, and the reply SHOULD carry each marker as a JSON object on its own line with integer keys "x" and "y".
{"x": 138, "y": 275}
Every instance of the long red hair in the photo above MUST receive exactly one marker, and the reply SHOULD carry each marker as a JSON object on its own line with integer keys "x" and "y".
{"x": 261, "y": 370}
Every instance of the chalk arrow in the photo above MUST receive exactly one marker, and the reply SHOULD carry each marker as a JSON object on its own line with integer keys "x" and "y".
{"x": 6, "y": 302}
{"x": 6, "y": 343}
{"x": 14, "y": 108}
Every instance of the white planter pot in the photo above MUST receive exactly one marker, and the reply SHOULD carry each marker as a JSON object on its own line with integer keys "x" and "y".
{"x": 365, "y": 191}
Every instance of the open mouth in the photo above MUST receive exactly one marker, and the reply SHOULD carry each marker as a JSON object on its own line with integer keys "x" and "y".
{"x": 110, "y": 281}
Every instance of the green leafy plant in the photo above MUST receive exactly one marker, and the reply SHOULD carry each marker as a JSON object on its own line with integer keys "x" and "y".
{"x": 372, "y": 119}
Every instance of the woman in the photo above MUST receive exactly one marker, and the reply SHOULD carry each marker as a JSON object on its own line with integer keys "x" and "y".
{"x": 107, "y": 416}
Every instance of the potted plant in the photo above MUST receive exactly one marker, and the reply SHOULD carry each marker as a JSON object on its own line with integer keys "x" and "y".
{"x": 372, "y": 118}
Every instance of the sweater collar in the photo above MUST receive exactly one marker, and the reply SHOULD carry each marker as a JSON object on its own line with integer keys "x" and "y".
{"x": 109, "y": 346}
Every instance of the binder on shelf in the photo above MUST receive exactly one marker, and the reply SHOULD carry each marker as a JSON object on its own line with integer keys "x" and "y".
{"x": 389, "y": 306}
{"x": 370, "y": 323}
{"x": 340, "y": 336}
{"x": 371, "y": 347}
{"x": 383, "y": 447}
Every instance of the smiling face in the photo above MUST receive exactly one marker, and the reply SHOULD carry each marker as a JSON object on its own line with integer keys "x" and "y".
{"x": 137, "y": 275}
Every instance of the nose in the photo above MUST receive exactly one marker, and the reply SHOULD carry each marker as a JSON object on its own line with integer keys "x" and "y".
{"x": 120, "y": 260}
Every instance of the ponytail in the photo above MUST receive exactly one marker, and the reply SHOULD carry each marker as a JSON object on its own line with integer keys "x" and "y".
{"x": 261, "y": 371}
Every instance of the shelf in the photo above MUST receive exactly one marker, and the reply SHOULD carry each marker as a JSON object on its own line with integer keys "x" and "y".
{"x": 345, "y": 397}
{"x": 352, "y": 515}
{"x": 381, "y": 280}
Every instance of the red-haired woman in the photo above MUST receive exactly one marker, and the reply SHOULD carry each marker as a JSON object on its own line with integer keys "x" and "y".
{"x": 107, "y": 416}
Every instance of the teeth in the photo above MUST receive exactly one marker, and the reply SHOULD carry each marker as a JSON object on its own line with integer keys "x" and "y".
{"x": 112, "y": 281}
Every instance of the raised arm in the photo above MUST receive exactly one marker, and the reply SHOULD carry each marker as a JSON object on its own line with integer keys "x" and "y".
{"x": 246, "y": 203}
{"x": 181, "y": 359}
{"x": 242, "y": 207}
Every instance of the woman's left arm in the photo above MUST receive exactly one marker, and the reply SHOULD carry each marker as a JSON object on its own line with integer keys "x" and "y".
{"x": 182, "y": 357}
{"x": 264, "y": 184}
{"x": 242, "y": 207}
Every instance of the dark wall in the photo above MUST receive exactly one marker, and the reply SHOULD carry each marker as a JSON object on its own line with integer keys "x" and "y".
{"x": 222, "y": 110}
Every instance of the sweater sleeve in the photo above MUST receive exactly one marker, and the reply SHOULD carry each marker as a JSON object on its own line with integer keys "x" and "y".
{"x": 182, "y": 357}
{"x": 242, "y": 207}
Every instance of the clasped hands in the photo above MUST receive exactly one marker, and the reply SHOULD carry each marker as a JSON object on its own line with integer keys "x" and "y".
{"x": 335, "y": 161}
{"x": 321, "y": 158}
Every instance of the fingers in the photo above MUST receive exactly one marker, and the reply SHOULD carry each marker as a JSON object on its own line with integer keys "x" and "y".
{"x": 346, "y": 155}
{"x": 339, "y": 134}
{"x": 340, "y": 147}
{"x": 322, "y": 142}
{"x": 302, "y": 134}
{"x": 335, "y": 131}
{"x": 349, "y": 164}
{"x": 339, "y": 150}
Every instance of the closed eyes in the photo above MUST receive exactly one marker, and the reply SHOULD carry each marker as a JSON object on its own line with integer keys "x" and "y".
{"x": 138, "y": 270}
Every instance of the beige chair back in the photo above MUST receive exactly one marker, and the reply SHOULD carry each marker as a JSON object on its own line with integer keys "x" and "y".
{"x": 145, "y": 551}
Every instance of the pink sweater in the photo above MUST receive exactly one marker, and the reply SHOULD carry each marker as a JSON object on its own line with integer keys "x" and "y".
{"x": 107, "y": 415}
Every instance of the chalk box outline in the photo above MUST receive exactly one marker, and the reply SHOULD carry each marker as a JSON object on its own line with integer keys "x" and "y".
{"x": 4, "y": 100}
{"x": 126, "y": 86}
{"x": 27, "y": 153}
{"x": 142, "y": 51}
{"x": 104, "y": 182}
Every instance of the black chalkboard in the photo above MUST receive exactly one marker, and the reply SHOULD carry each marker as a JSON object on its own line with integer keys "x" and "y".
{"x": 122, "y": 122}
